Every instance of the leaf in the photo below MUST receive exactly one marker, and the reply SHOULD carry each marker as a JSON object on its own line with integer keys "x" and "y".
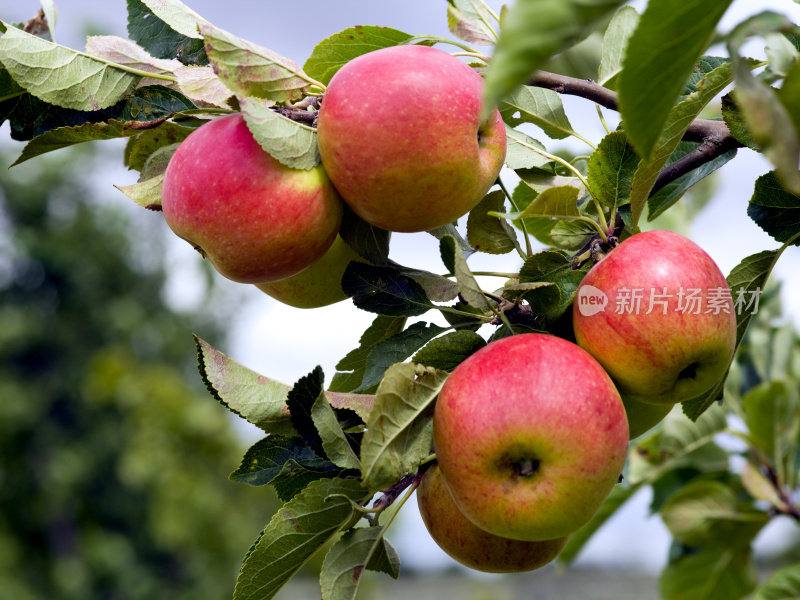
{"x": 356, "y": 550}
{"x": 62, "y": 137}
{"x": 768, "y": 120}
{"x": 708, "y": 514}
{"x": 774, "y": 209}
{"x": 448, "y": 351}
{"x": 538, "y": 227}
{"x": 660, "y": 55}
{"x": 250, "y": 70}
{"x": 447, "y": 251}
{"x": 468, "y": 287}
{"x": 253, "y": 397}
{"x": 332, "y": 53}
{"x": 300, "y": 400}
{"x": 370, "y": 242}
{"x": 396, "y": 349}
{"x": 177, "y": 16}
{"x": 384, "y": 290}
{"x": 141, "y": 146}
{"x": 611, "y": 169}
{"x": 534, "y": 30}
{"x": 772, "y": 415}
{"x": 539, "y": 106}
{"x": 759, "y": 487}
{"x": 161, "y": 40}
{"x": 619, "y": 495}
{"x": 295, "y": 533}
{"x": 710, "y": 574}
{"x": 60, "y": 75}
{"x": 436, "y": 287}
{"x": 265, "y": 460}
{"x": 470, "y": 20}
{"x": 400, "y": 428}
{"x": 146, "y": 193}
{"x": 125, "y": 52}
{"x": 558, "y": 202}
{"x": 201, "y": 84}
{"x": 522, "y": 151}
{"x": 664, "y": 198}
{"x": 671, "y": 132}
{"x": 789, "y": 95}
{"x": 350, "y": 370}
{"x": 51, "y": 16}
{"x": 290, "y": 142}
{"x": 487, "y": 233}
{"x": 783, "y": 584}
{"x": 781, "y": 53}
{"x": 334, "y": 441}
{"x": 554, "y": 267}
{"x": 615, "y": 41}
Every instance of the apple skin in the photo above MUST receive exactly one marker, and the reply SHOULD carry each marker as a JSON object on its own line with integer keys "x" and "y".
{"x": 657, "y": 358}
{"x": 255, "y": 219}
{"x": 318, "y": 285}
{"x": 400, "y": 136}
{"x": 470, "y": 545}
{"x": 531, "y": 436}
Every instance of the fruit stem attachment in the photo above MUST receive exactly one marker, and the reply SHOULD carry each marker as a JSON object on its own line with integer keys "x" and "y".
{"x": 477, "y": 55}
{"x": 438, "y": 40}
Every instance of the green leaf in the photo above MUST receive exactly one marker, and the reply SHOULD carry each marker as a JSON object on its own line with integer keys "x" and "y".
{"x": 539, "y": 106}
{"x": 708, "y": 514}
{"x": 177, "y": 16}
{"x": 162, "y": 139}
{"x": 357, "y": 550}
{"x": 772, "y": 415}
{"x": 396, "y": 349}
{"x": 399, "y": 432}
{"x": 558, "y": 202}
{"x": 468, "y": 287}
{"x": 447, "y": 251}
{"x": 448, "y": 351}
{"x": 670, "y": 133}
{"x": 436, "y": 287}
{"x": 294, "y": 477}
{"x": 370, "y": 242}
{"x": 538, "y": 227}
{"x": 332, "y": 53}
{"x": 159, "y": 39}
{"x": 290, "y": 142}
{"x": 300, "y": 400}
{"x": 487, "y": 233}
{"x": 253, "y": 397}
{"x": 350, "y": 370}
{"x": 768, "y": 120}
{"x": 62, "y": 137}
{"x": 265, "y": 460}
{"x": 523, "y": 152}
{"x": 664, "y": 198}
{"x": 534, "y": 30}
{"x": 783, "y": 584}
{"x": 781, "y": 53}
{"x": 710, "y": 574}
{"x": 615, "y": 41}
{"x": 618, "y": 496}
{"x": 471, "y": 21}
{"x": 295, "y": 533}
{"x": 334, "y": 441}
{"x": 789, "y": 95}
{"x": 384, "y": 290}
{"x": 250, "y": 70}
{"x": 759, "y": 487}
{"x": 774, "y": 209}
{"x": 611, "y": 169}
{"x": 660, "y": 55}
{"x": 129, "y": 54}
{"x": 60, "y": 75}
{"x": 146, "y": 193}
{"x": 554, "y": 267}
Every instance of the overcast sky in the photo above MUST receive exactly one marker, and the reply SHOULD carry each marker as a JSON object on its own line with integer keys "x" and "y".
{"x": 286, "y": 343}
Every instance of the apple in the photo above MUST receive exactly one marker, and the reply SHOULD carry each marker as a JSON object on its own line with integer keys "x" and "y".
{"x": 318, "y": 285}
{"x": 254, "y": 218}
{"x": 679, "y": 340}
{"x": 470, "y": 545}
{"x": 400, "y": 136}
{"x": 530, "y": 435}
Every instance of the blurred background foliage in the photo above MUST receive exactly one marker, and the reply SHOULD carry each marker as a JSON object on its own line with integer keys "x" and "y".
{"x": 113, "y": 458}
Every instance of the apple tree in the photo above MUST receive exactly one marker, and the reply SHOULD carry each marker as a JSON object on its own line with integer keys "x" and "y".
{"x": 344, "y": 456}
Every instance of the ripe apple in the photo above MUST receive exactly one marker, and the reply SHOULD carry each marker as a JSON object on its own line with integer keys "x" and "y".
{"x": 318, "y": 285}
{"x": 531, "y": 436}
{"x": 470, "y": 545}
{"x": 679, "y": 341}
{"x": 254, "y": 218}
{"x": 401, "y": 138}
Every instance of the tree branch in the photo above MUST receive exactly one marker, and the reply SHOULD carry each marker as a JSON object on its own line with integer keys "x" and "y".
{"x": 714, "y": 136}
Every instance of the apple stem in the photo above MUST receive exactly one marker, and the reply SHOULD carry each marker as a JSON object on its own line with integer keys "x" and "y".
{"x": 477, "y": 55}
{"x": 439, "y": 40}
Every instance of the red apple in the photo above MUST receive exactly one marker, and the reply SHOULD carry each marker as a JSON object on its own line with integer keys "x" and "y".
{"x": 318, "y": 285}
{"x": 679, "y": 340}
{"x": 401, "y": 138}
{"x": 254, "y": 218}
{"x": 470, "y": 545}
{"x": 531, "y": 436}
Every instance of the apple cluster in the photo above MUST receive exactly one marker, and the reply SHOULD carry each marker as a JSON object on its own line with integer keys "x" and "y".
{"x": 401, "y": 143}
